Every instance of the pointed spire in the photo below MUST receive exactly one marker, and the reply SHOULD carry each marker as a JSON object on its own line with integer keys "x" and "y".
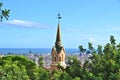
{"x": 58, "y": 43}
{"x": 58, "y": 38}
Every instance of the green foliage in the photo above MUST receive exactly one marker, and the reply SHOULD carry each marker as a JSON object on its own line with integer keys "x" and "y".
{"x": 21, "y": 68}
{"x": 76, "y": 78}
{"x": 82, "y": 50}
{"x": 60, "y": 67}
{"x": 40, "y": 61}
{"x": 40, "y": 74}
{"x": 13, "y": 72}
{"x": 90, "y": 46}
{"x": 100, "y": 49}
{"x": 61, "y": 76}
{"x": 9, "y": 70}
{"x": 112, "y": 40}
{"x": 4, "y": 13}
{"x": 106, "y": 66}
{"x": 74, "y": 68}
{"x": 104, "y": 63}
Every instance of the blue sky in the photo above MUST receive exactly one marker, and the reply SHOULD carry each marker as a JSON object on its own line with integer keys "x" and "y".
{"x": 33, "y": 23}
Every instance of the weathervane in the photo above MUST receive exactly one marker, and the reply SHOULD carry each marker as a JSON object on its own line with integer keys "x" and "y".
{"x": 59, "y": 17}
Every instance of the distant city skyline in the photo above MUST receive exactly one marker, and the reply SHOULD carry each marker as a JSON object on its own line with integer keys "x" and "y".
{"x": 33, "y": 23}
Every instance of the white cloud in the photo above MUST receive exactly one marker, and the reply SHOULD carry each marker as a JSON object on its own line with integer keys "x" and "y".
{"x": 112, "y": 28}
{"x": 73, "y": 30}
{"x": 91, "y": 40}
{"x": 22, "y": 23}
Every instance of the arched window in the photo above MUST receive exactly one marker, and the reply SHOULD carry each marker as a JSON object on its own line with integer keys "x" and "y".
{"x": 62, "y": 57}
{"x": 53, "y": 57}
{"x": 59, "y": 58}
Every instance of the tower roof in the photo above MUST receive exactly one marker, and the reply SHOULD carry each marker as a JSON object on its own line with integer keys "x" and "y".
{"x": 58, "y": 37}
{"x": 58, "y": 43}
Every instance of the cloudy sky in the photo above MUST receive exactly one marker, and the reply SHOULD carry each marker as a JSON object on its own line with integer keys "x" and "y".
{"x": 33, "y": 23}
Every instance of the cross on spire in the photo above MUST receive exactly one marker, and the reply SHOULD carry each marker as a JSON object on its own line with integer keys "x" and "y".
{"x": 58, "y": 17}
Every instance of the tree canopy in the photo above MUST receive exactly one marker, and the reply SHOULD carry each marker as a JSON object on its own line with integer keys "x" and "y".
{"x": 103, "y": 64}
{"x": 4, "y": 13}
{"x": 21, "y": 68}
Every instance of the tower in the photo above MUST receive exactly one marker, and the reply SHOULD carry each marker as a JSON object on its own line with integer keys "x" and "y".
{"x": 58, "y": 53}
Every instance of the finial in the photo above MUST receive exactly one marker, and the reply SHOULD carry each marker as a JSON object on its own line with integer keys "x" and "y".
{"x": 59, "y": 17}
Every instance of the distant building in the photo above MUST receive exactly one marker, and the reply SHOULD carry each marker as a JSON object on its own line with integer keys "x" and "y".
{"x": 58, "y": 53}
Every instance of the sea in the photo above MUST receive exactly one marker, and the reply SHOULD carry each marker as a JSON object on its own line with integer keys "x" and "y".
{"x": 34, "y": 51}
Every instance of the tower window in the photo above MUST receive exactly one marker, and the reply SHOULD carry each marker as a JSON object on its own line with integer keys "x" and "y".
{"x": 55, "y": 59}
{"x": 62, "y": 57}
{"x": 53, "y": 55}
{"x": 59, "y": 58}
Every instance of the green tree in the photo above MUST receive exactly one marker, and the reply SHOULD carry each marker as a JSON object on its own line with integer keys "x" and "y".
{"x": 76, "y": 78}
{"x": 105, "y": 67}
{"x": 11, "y": 71}
{"x": 4, "y": 13}
{"x": 40, "y": 61}
{"x": 60, "y": 67}
{"x": 82, "y": 50}
{"x": 21, "y": 68}
{"x": 112, "y": 40}
{"x": 61, "y": 76}
{"x": 74, "y": 68}
{"x": 103, "y": 64}
{"x": 90, "y": 48}
{"x": 100, "y": 51}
